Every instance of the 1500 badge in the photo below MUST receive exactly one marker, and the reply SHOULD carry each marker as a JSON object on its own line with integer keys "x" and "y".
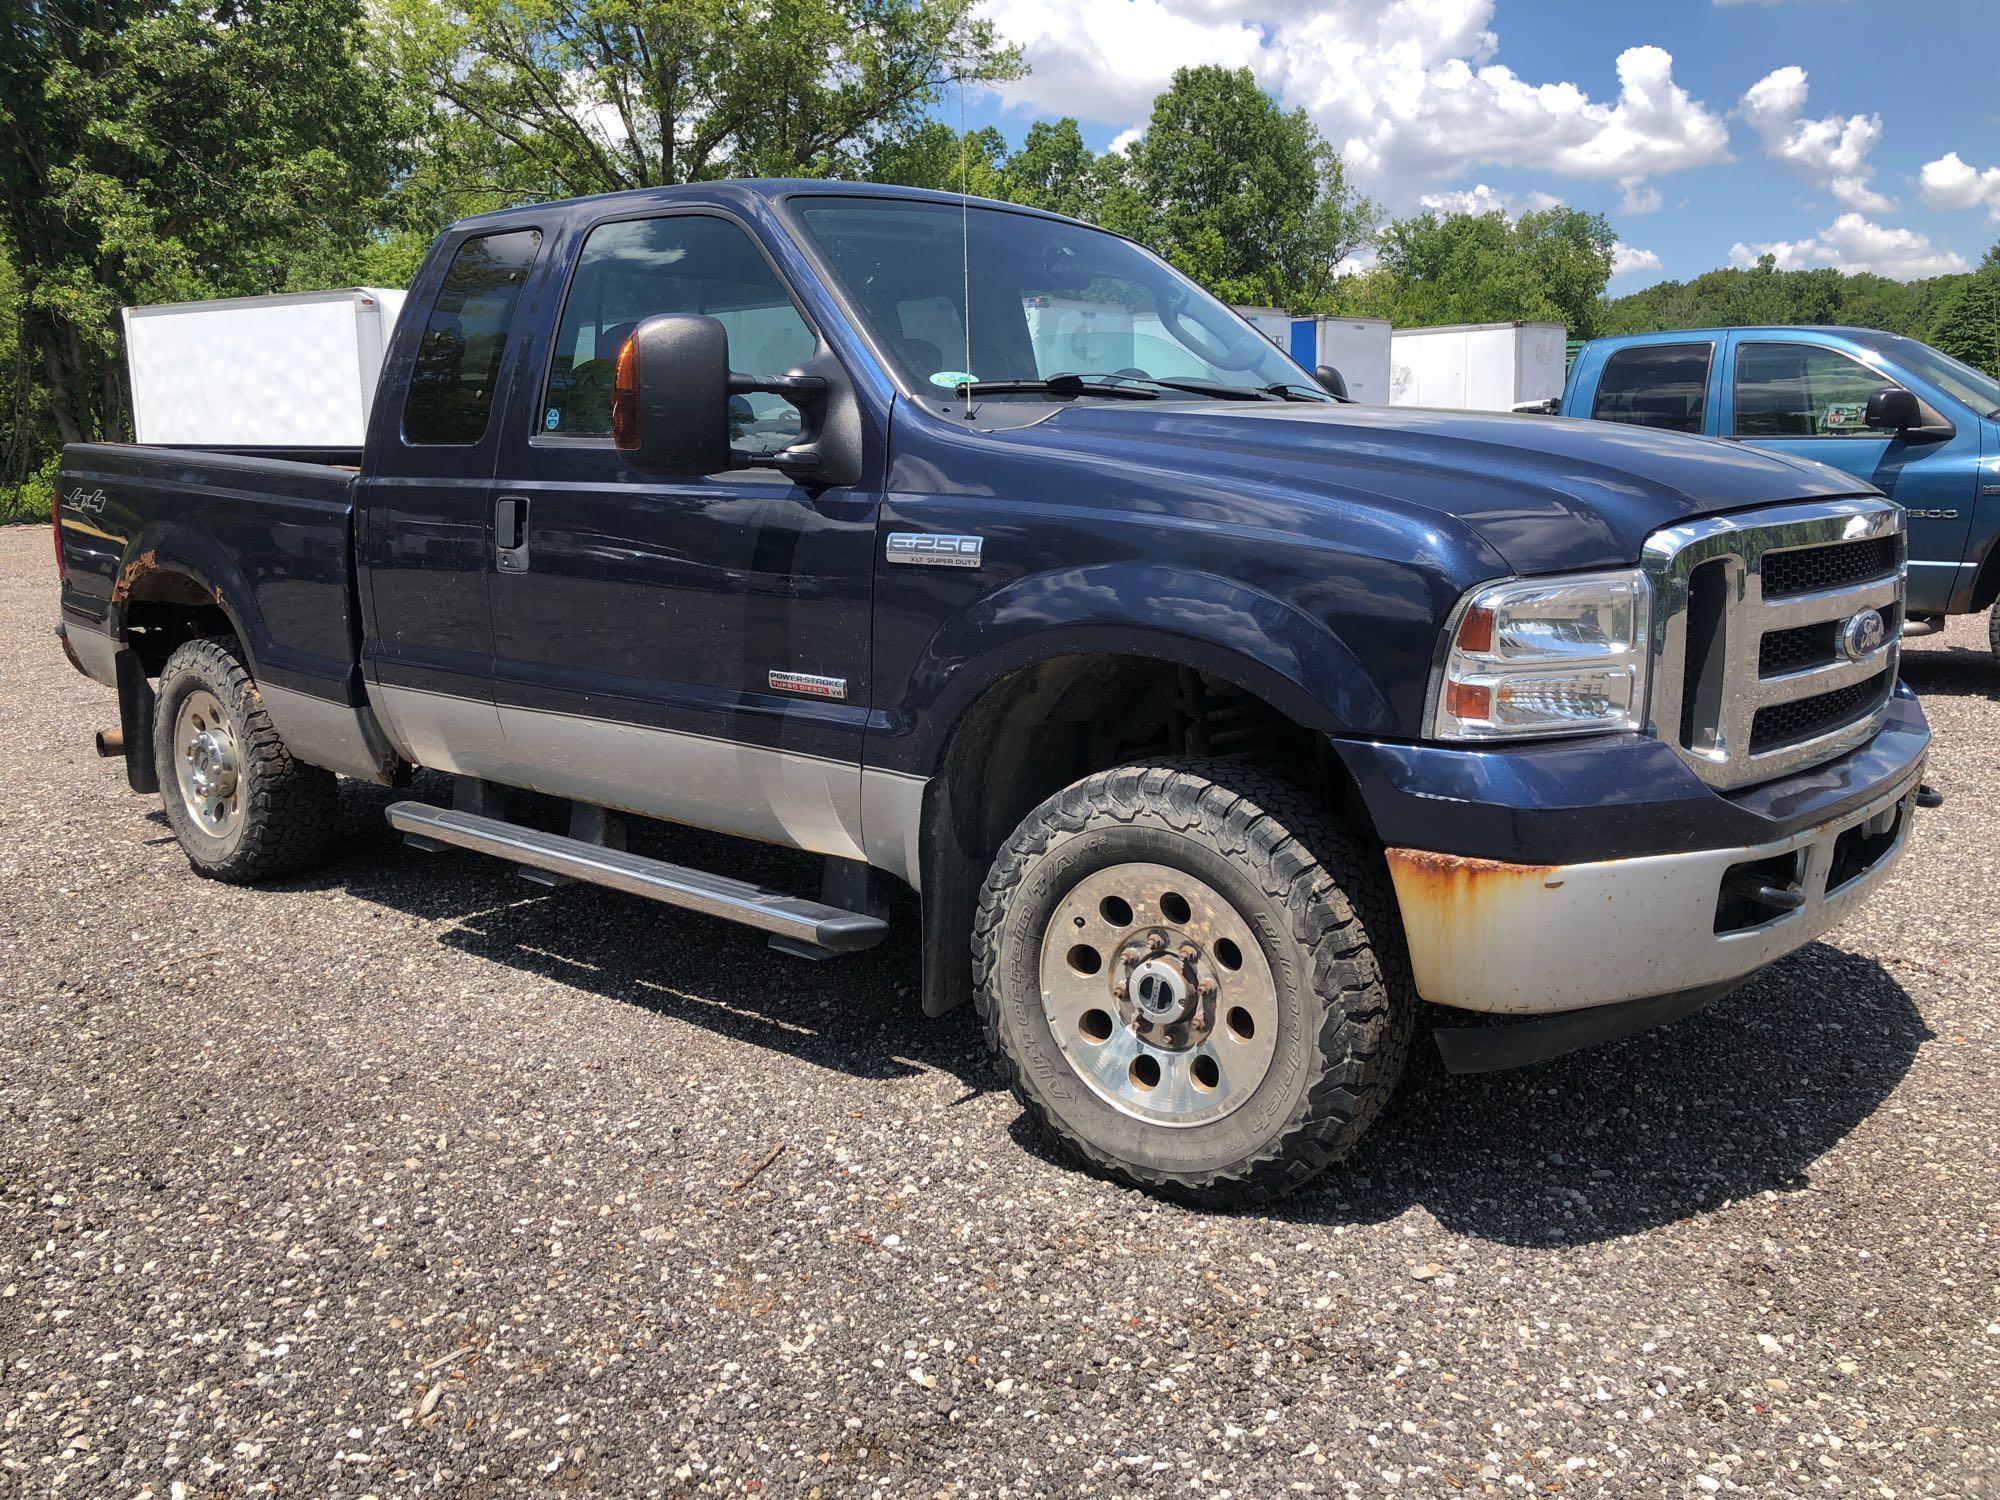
{"x": 927, "y": 550}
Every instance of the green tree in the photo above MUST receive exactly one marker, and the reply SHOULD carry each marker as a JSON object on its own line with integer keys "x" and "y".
{"x": 1243, "y": 196}
{"x": 1967, "y": 325}
{"x": 1546, "y": 266}
{"x": 600, "y": 95}
{"x": 157, "y": 150}
{"x": 933, "y": 155}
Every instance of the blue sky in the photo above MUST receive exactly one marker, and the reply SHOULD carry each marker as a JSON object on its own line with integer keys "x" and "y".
{"x": 1863, "y": 134}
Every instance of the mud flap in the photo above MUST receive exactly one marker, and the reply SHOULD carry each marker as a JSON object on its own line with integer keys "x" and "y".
{"x": 135, "y": 722}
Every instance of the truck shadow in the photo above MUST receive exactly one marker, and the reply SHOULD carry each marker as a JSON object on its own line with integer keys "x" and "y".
{"x": 1734, "y": 1101}
{"x": 1726, "y": 1104}
{"x": 857, "y": 1015}
{"x": 1952, "y": 672}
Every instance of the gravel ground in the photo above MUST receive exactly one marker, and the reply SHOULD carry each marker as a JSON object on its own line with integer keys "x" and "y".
{"x": 413, "y": 1178}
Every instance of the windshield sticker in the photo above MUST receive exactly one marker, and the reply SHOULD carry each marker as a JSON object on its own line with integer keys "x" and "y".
{"x": 1844, "y": 416}
{"x": 951, "y": 380}
{"x": 553, "y": 420}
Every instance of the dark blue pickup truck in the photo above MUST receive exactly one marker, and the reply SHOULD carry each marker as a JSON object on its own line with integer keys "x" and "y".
{"x": 1214, "y": 720}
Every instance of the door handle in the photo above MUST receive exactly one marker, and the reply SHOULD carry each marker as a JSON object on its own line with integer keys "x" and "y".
{"x": 510, "y": 534}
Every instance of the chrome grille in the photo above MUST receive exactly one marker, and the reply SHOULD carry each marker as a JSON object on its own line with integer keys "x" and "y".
{"x": 1751, "y": 681}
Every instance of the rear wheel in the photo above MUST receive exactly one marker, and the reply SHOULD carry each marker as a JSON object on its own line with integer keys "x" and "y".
{"x": 1194, "y": 979}
{"x": 242, "y": 808}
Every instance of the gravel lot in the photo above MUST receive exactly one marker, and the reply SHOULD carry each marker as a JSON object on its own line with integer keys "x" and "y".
{"x": 414, "y": 1178}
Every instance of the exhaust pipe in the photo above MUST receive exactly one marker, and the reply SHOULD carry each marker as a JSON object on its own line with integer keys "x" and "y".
{"x": 110, "y": 743}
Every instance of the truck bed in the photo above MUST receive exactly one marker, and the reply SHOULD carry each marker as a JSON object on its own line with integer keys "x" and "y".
{"x": 271, "y": 536}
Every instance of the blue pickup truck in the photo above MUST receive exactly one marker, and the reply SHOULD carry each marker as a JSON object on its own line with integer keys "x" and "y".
{"x": 1214, "y": 721}
{"x": 1918, "y": 425}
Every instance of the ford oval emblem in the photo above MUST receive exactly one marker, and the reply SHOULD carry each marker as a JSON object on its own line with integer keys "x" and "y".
{"x": 1863, "y": 633}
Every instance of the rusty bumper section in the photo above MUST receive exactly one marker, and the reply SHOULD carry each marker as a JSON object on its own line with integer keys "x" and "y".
{"x": 1511, "y": 939}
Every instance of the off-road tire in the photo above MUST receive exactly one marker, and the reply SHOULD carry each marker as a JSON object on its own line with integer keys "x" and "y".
{"x": 1319, "y": 902}
{"x": 1993, "y": 629}
{"x": 288, "y": 808}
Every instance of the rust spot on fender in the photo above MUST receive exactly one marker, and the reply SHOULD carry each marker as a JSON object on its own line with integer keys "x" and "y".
{"x": 142, "y": 566}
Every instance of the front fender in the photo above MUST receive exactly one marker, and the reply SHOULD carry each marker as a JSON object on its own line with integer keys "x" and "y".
{"x": 1262, "y": 644}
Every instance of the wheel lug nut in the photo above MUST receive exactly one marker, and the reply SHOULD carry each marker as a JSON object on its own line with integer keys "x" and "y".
{"x": 1189, "y": 953}
{"x": 1156, "y": 940}
{"x": 1206, "y": 988}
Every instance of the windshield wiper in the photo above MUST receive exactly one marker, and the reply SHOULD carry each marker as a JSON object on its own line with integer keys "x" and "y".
{"x": 1066, "y": 384}
{"x": 1286, "y": 388}
{"x": 1212, "y": 388}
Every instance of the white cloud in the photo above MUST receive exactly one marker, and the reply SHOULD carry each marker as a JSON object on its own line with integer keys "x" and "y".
{"x": 1408, "y": 89}
{"x": 1828, "y": 152}
{"x": 1854, "y": 243}
{"x": 1949, "y": 182}
{"x": 1122, "y": 143}
{"x": 1625, "y": 260}
{"x": 1481, "y": 199}
{"x": 1640, "y": 199}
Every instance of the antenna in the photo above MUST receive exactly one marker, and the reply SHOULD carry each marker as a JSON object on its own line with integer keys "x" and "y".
{"x": 964, "y": 224}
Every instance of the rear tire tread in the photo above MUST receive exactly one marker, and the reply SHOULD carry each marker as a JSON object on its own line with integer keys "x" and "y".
{"x": 290, "y": 809}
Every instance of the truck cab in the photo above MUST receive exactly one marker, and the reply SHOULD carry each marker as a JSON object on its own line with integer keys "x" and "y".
{"x": 1919, "y": 426}
{"x": 1212, "y": 722}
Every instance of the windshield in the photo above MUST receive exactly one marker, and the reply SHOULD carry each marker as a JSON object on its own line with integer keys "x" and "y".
{"x": 1974, "y": 387}
{"x": 1048, "y": 299}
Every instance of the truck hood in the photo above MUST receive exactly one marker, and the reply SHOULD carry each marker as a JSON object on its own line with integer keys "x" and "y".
{"x": 1547, "y": 493}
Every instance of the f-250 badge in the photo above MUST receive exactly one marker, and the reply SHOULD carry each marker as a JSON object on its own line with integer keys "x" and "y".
{"x": 927, "y": 550}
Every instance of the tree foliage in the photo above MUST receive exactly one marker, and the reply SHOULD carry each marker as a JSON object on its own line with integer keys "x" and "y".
{"x": 1245, "y": 197}
{"x": 595, "y": 96}
{"x": 1967, "y": 325}
{"x": 1547, "y": 266}
{"x": 1740, "y": 297}
{"x": 157, "y": 151}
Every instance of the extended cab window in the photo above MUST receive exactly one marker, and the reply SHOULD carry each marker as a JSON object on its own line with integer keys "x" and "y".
{"x": 451, "y": 389}
{"x": 1802, "y": 391}
{"x": 682, "y": 263}
{"x": 1657, "y": 385}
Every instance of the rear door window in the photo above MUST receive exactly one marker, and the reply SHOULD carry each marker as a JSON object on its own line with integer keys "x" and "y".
{"x": 1804, "y": 391}
{"x": 1655, "y": 385}
{"x": 465, "y": 339}
{"x": 634, "y": 269}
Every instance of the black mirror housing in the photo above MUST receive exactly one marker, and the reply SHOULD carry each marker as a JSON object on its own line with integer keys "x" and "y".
{"x": 671, "y": 400}
{"x": 670, "y": 397}
{"x": 1894, "y": 409}
{"x": 1332, "y": 382}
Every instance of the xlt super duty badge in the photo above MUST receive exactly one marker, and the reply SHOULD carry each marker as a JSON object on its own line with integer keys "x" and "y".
{"x": 925, "y": 550}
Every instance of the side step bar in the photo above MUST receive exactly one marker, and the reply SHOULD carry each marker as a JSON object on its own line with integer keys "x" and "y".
{"x": 800, "y": 921}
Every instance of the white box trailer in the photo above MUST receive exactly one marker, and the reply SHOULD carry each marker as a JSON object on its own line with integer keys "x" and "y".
{"x": 1357, "y": 347}
{"x": 1476, "y": 366}
{"x": 290, "y": 371}
{"x": 1273, "y": 322}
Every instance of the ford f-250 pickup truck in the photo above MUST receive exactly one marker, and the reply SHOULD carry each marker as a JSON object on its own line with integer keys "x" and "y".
{"x": 1917, "y": 424}
{"x": 1214, "y": 721}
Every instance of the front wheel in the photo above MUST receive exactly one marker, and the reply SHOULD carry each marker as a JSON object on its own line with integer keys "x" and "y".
{"x": 1194, "y": 979}
{"x": 241, "y": 806}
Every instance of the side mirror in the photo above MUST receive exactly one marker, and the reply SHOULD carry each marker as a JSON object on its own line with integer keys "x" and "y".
{"x": 1332, "y": 382}
{"x": 1894, "y": 409}
{"x": 672, "y": 392}
{"x": 670, "y": 397}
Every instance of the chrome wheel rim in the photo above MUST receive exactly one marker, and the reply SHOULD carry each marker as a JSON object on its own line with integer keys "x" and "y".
{"x": 1159, "y": 994}
{"x": 207, "y": 764}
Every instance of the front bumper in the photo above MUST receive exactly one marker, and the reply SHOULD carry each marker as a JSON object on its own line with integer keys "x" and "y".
{"x": 1529, "y": 939}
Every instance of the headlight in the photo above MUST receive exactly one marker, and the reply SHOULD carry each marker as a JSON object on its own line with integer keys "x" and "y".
{"x": 1543, "y": 656}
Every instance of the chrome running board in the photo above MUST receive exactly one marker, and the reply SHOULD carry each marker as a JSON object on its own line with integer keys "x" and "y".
{"x": 789, "y": 917}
